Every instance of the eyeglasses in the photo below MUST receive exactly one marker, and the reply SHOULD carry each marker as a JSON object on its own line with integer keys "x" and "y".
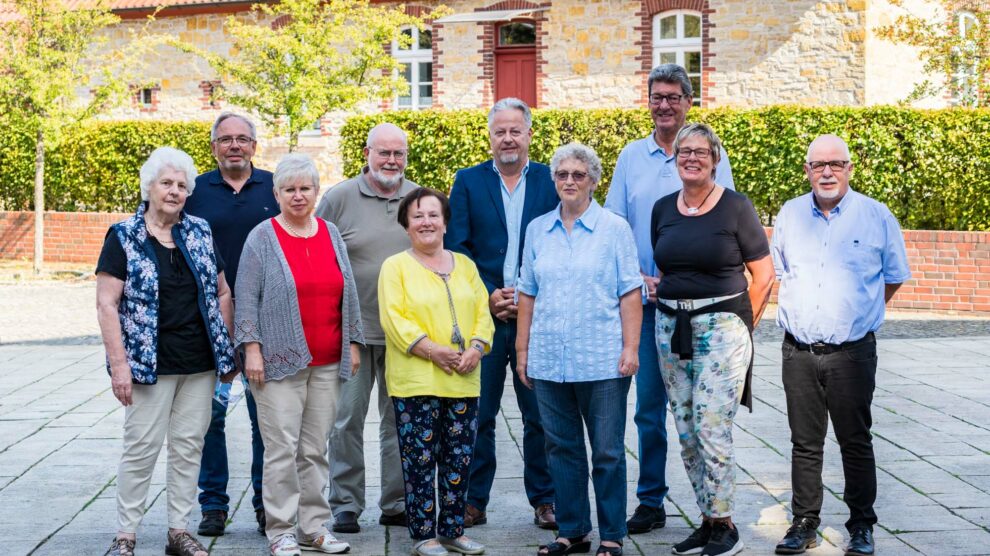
{"x": 241, "y": 140}
{"x": 656, "y": 100}
{"x": 399, "y": 155}
{"x": 577, "y": 176}
{"x": 818, "y": 166}
{"x": 700, "y": 153}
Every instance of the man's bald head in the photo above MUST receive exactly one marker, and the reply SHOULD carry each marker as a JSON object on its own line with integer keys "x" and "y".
{"x": 829, "y": 169}
{"x": 387, "y": 152}
{"x": 829, "y": 142}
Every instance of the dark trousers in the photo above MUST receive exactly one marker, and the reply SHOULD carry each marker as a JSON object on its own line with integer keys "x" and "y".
{"x": 435, "y": 434}
{"x": 839, "y": 385}
{"x": 536, "y": 474}
{"x": 213, "y": 472}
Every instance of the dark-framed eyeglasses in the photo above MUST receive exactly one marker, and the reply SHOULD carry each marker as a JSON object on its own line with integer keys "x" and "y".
{"x": 398, "y": 155}
{"x": 700, "y": 153}
{"x": 562, "y": 175}
{"x": 818, "y": 166}
{"x": 227, "y": 140}
{"x": 657, "y": 99}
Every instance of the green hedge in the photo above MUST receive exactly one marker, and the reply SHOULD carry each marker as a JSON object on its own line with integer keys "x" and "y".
{"x": 96, "y": 167}
{"x": 931, "y": 167}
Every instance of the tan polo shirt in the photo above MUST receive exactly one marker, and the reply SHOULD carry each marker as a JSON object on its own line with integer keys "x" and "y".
{"x": 369, "y": 225}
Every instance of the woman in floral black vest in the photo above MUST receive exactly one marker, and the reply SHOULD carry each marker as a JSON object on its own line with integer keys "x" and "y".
{"x": 165, "y": 311}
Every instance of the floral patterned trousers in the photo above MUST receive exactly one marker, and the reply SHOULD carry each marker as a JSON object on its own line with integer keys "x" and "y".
{"x": 704, "y": 395}
{"x": 436, "y": 434}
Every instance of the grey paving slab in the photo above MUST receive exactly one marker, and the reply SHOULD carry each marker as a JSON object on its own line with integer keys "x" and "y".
{"x": 60, "y": 434}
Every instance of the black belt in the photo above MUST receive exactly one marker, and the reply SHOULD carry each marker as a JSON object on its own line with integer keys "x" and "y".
{"x": 821, "y": 348}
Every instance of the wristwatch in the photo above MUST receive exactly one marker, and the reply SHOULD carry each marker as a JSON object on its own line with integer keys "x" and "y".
{"x": 480, "y": 348}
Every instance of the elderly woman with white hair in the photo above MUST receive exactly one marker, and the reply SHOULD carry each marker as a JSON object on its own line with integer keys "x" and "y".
{"x": 578, "y": 347}
{"x": 299, "y": 324}
{"x": 164, "y": 311}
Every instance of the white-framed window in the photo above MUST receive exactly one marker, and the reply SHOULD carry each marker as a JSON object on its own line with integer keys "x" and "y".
{"x": 677, "y": 40}
{"x": 965, "y": 76}
{"x": 417, "y": 69}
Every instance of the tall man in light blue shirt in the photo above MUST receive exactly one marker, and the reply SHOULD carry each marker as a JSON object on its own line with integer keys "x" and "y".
{"x": 646, "y": 171}
{"x": 840, "y": 257}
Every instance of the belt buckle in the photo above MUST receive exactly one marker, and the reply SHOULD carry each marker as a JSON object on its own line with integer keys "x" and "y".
{"x": 817, "y": 348}
{"x": 685, "y": 304}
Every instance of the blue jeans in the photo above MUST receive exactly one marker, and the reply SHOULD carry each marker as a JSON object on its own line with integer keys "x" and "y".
{"x": 536, "y": 476}
{"x": 213, "y": 473}
{"x": 651, "y": 416}
{"x": 600, "y": 406}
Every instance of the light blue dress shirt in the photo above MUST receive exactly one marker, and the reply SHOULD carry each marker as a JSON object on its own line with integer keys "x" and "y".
{"x": 832, "y": 270}
{"x": 643, "y": 174}
{"x": 577, "y": 279}
{"x": 513, "y": 203}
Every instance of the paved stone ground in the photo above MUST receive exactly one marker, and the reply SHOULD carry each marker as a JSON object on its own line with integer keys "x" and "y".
{"x": 60, "y": 434}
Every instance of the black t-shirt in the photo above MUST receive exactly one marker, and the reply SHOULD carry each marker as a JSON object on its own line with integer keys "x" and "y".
{"x": 703, "y": 256}
{"x": 183, "y": 343}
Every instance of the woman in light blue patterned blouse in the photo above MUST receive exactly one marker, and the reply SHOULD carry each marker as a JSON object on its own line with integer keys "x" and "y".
{"x": 580, "y": 313}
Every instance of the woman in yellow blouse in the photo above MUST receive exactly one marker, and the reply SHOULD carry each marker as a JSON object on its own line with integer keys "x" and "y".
{"x": 434, "y": 310}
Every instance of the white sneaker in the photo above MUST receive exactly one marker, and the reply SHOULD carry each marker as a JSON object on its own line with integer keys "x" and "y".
{"x": 284, "y": 545}
{"x": 327, "y": 544}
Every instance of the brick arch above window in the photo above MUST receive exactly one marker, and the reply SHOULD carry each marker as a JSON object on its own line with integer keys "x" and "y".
{"x": 651, "y": 8}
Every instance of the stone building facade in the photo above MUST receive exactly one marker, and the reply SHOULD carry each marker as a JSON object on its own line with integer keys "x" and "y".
{"x": 574, "y": 54}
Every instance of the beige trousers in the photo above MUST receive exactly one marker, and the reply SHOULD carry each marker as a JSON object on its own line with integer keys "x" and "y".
{"x": 295, "y": 415}
{"x": 179, "y": 407}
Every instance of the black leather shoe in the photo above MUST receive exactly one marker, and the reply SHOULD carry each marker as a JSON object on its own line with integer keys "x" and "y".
{"x": 259, "y": 516}
{"x": 213, "y": 524}
{"x": 800, "y": 537}
{"x": 396, "y": 520}
{"x": 346, "y": 522}
{"x": 861, "y": 542}
{"x": 645, "y": 519}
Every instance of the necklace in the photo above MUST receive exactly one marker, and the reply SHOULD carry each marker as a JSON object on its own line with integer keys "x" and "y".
{"x": 456, "y": 337}
{"x": 694, "y": 210}
{"x": 295, "y": 232}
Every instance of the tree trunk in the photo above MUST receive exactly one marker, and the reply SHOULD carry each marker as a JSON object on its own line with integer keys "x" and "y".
{"x": 293, "y": 140}
{"x": 39, "y": 202}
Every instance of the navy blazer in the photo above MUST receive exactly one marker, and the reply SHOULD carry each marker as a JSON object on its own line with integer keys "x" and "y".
{"x": 477, "y": 223}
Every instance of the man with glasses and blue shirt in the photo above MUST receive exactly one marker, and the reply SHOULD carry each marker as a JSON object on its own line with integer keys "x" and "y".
{"x": 491, "y": 204}
{"x": 840, "y": 257}
{"x": 646, "y": 171}
{"x": 233, "y": 198}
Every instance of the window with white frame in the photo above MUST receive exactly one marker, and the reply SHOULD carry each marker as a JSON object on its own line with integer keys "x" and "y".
{"x": 965, "y": 76}
{"x": 417, "y": 69}
{"x": 677, "y": 40}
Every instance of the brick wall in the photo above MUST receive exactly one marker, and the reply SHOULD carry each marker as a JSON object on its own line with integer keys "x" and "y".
{"x": 70, "y": 237}
{"x": 951, "y": 269}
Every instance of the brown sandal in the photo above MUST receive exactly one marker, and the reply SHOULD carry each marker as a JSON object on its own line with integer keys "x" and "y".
{"x": 183, "y": 544}
{"x": 120, "y": 547}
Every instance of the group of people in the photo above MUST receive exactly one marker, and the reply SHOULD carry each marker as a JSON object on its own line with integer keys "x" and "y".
{"x": 520, "y": 270}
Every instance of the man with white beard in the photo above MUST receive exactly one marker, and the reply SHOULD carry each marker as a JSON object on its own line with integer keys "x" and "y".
{"x": 364, "y": 209}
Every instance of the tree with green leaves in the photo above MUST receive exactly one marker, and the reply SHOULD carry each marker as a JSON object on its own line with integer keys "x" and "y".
{"x": 46, "y": 50}
{"x": 295, "y": 60}
{"x": 955, "y": 49}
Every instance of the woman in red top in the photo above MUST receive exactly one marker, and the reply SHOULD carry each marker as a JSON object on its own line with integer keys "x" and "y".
{"x": 298, "y": 321}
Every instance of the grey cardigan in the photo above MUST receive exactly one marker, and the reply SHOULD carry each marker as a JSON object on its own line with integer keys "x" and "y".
{"x": 267, "y": 307}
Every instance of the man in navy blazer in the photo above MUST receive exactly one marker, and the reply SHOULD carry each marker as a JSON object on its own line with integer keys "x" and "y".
{"x": 491, "y": 204}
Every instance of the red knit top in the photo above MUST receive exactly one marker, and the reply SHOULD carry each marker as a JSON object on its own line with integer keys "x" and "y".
{"x": 319, "y": 287}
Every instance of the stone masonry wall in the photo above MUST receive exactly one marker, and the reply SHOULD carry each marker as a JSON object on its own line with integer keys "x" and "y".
{"x": 791, "y": 52}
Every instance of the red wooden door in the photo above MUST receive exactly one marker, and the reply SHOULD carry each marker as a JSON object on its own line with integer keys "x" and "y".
{"x": 515, "y": 74}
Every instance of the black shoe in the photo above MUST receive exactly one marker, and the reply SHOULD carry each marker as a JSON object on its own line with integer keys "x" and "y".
{"x": 800, "y": 537}
{"x": 346, "y": 522}
{"x": 724, "y": 540}
{"x": 213, "y": 524}
{"x": 397, "y": 520}
{"x": 646, "y": 519}
{"x": 861, "y": 542}
{"x": 259, "y": 516}
{"x": 696, "y": 541}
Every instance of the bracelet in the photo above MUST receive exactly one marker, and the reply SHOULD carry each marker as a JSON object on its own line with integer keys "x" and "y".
{"x": 429, "y": 351}
{"x": 480, "y": 348}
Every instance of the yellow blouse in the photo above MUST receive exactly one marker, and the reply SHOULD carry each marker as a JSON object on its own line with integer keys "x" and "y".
{"x": 412, "y": 305}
